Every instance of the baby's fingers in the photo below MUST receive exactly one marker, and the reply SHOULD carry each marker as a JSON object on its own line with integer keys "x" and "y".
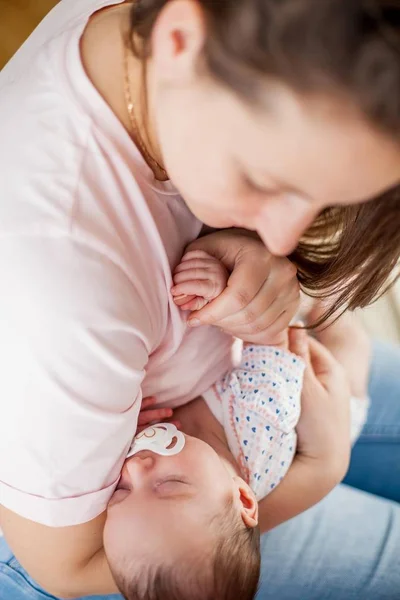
{"x": 183, "y": 299}
{"x": 206, "y": 288}
{"x": 193, "y": 261}
{"x": 195, "y": 304}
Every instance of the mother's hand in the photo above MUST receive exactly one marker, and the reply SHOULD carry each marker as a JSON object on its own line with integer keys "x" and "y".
{"x": 262, "y": 294}
{"x": 150, "y": 414}
{"x": 324, "y": 426}
{"x": 350, "y": 344}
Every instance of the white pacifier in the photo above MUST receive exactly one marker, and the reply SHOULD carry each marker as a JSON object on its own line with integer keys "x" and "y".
{"x": 163, "y": 439}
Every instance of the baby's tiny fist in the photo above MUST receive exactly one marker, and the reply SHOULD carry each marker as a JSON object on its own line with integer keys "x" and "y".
{"x": 198, "y": 279}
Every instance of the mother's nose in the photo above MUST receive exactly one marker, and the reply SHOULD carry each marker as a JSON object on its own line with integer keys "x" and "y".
{"x": 282, "y": 225}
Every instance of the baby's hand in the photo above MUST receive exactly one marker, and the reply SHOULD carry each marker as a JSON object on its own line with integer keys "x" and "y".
{"x": 148, "y": 416}
{"x": 198, "y": 279}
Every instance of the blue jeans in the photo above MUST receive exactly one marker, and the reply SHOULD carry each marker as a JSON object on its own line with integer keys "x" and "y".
{"x": 345, "y": 548}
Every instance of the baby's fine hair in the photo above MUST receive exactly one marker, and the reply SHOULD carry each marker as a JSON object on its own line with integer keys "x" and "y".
{"x": 229, "y": 570}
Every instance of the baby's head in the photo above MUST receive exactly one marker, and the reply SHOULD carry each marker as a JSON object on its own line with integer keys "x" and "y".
{"x": 183, "y": 526}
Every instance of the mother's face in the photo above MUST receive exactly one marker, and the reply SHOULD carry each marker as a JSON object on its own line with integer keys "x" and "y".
{"x": 271, "y": 171}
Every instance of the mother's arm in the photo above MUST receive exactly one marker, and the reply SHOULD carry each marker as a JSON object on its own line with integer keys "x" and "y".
{"x": 73, "y": 341}
{"x": 67, "y": 562}
{"x": 323, "y": 436}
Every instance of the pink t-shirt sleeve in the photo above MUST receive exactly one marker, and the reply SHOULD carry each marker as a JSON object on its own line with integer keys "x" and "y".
{"x": 72, "y": 355}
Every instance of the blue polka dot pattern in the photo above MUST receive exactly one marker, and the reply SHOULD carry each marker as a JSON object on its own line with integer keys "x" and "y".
{"x": 260, "y": 406}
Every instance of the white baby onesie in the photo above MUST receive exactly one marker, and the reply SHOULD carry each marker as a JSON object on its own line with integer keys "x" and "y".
{"x": 258, "y": 403}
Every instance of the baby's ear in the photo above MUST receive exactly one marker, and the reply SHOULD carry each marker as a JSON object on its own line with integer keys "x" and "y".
{"x": 248, "y": 503}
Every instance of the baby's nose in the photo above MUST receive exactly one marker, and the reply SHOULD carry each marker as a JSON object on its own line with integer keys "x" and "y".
{"x": 140, "y": 464}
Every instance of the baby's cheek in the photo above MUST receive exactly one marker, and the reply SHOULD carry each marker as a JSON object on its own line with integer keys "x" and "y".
{"x": 110, "y": 536}
{"x": 118, "y": 528}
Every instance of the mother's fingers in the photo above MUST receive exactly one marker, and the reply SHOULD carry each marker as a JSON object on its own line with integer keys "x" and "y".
{"x": 326, "y": 368}
{"x": 322, "y": 360}
{"x": 156, "y": 414}
{"x": 262, "y": 323}
{"x": 298, "y": 342}
{"x": 267, "y": 305}
{"x": 149, "y": 401}
{"x": 273, "y": 333}
{"x": 243, "y": 285}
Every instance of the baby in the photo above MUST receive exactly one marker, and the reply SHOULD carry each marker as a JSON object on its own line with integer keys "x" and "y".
{"x": 183, "y": 521}
{"x": 191, "y": 500}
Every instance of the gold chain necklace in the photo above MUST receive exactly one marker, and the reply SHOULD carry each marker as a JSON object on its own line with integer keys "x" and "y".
{"x": 134, "y": 124}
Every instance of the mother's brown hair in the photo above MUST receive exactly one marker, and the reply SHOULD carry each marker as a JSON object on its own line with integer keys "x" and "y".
{"x": 347, "y": 48}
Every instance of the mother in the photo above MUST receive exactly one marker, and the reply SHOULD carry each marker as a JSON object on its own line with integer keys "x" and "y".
{"x": 265, "y": 115}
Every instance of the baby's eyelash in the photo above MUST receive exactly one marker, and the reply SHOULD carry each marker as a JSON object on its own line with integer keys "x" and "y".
{"x": 171, "y": 479}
